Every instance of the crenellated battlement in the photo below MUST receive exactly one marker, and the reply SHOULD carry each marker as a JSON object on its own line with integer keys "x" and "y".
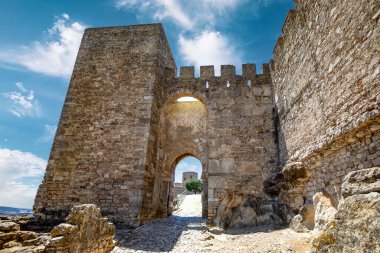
{"x": 210, "y": 87}
{"x": 226, "y": 71}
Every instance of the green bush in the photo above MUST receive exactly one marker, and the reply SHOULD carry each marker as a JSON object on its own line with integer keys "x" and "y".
{"x": 194, "y": 185}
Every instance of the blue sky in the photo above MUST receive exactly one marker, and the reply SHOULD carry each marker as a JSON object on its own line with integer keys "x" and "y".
{"x": 39, "y": 42}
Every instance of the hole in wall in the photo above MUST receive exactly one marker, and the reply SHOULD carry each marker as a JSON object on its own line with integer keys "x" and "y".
{"x": 187, "y": 99}
{"x": 206, "y": 85}
{"x": 249, "y": 84}
{"x": 228, "y": 84}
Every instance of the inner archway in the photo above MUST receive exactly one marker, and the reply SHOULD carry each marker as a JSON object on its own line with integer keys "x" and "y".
{"x": 188, "y": 172}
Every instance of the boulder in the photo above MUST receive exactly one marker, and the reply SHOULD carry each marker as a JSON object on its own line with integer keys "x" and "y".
{"x": 324, "y": 211}
{"x": 297, "y": 225}
{"x": 361, "y": 181}
{"x": 293, "y": 171}
{"x": 244, "y": 210}
{"x": 11, "y": 244}
{"x": 356, "y": 225}
{"x": 85, "y": 231}
{"x": 7, "y": 237}
{"x": 9, "y": 226}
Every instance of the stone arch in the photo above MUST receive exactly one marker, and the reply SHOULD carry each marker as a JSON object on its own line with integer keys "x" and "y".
{"x": 182, "y": 132}
{"x": 185, "y": 92}
{"x": 203, "y": 161}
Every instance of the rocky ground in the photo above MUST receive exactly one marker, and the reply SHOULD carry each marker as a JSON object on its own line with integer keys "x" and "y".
{"x": 185, "y": 231}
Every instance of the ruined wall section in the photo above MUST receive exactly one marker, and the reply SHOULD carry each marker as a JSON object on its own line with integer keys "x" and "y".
{"x": 326, "y": 81}
{"x": 241, "y": 130}
{"x": 99, "y": 154}
{"x": 328, "y": 167}
{"x": 326, "y": 73}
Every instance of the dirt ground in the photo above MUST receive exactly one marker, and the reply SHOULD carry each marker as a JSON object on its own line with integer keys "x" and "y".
{"x": 185, "y": 231}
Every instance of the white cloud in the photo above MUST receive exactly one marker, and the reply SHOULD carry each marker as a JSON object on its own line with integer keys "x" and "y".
{"x": 189, "y": 15}
{"x": 66, "y": 16}
{"x": 55, "y": 57}
{"x": 23, "y": 102}
{"x": 48, "y": 134}
{"x": 208, "y": 48}
{"x": 20, "y": 174}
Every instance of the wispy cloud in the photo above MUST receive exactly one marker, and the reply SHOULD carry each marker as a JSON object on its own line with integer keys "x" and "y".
{"x": 54, "y": 57}
{"x": 189, "y": 15}
{"x": 208, "y": 48}
{"x": 198, "y": 41}
{"x": 48, "y": 134}
{"x": 22, "y": 102}
{"x": 20, "y": 175}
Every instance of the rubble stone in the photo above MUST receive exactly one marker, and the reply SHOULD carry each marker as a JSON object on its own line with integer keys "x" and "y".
{"x": 324, "y": 211}
{"x": 86, "y": 231}
{"x": 8, "y": 226}
{"x": 361, "y": 181}
{"x": 297, "y": 225}
{"x": 357, "y": 220}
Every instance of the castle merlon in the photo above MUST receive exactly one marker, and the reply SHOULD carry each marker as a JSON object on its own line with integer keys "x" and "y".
{"x": 226, "y": 71}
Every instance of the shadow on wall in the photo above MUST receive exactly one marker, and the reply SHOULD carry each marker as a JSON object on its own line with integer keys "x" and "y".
{"x": 283, "y": 154}
{"x": 158, "y": 235}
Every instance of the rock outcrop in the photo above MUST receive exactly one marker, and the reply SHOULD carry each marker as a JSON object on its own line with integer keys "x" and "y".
{"x": 297, "y": 224}
{"x": 324, "y": 211}
{"x": 356, "y": 226}
{"x": 241, "y": 210}
{"x": 85, "y": 231}
{"x": 361, "y": 181}
{"x": 288, "y": 185}
{"x": 12, "y": 239}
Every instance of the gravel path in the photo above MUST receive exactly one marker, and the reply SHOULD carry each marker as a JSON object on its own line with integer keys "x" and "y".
{"x": 185, "y": 231}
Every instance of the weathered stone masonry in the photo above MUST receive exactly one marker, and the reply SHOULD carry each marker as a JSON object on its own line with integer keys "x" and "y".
{"x": 121, "y": 134}
{"x": 326, "y": 82}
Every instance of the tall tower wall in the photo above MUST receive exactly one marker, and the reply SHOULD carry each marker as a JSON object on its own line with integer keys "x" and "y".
{"x": 104, "y": 142}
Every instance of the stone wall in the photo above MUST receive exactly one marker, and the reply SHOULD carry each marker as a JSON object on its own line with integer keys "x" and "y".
{"x": 241, "y": 134}
{"x": 326, "y": 82}
{"x": 102, "y": 153}
{"x": 326, "y": 73}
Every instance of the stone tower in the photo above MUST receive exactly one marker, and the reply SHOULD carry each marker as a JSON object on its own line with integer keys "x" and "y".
{"x": 186, "y": 176}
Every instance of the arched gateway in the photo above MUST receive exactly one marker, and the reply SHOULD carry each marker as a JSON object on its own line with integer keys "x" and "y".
{"x": 121, "y": 131}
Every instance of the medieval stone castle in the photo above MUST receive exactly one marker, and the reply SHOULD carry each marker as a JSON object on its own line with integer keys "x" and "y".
{"x": 267, "y": 141}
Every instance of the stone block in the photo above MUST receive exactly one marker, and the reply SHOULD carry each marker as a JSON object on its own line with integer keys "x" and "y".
{"x": 227, "y": 165}
{"x": 249, "y": 70}
{"x": 207, "y": 71}
{"x": 361, "y": 182}
{"x": 187, "y": 72}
